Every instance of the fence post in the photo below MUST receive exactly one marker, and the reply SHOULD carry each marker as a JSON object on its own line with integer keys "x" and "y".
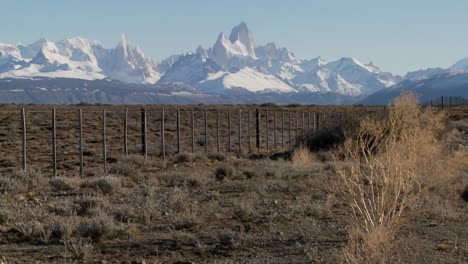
{"x": 274, "y": 132}
{"x": 317, "y": 120}
{"x": 249, "y": 131}
{"x": 289, "y": 128}
{"x": 239, "y": 126}
{"x": 125, "y": 132}
{"x": 206, "y": 130}
{"x": 229, "y": 131}
{"x": 267, "y": 131}
{"x": 297, "y": 127}
{"x": 257, "y": 128}
{"x": 23, "y": 129}
{"x": 163, "y": 142}
{"x": 144, "y": 144}
{"x": 308, "y": 122}
{"x": 282, "y": 129}
{"x": 80, "y": 128}
{"x": 218, "y": 143}
{"x": 303, "y": 127}
{"x": 193, "y": 130}
{"x": 178, "y": 130}
{"x": 54, "y": 144}
{"x": 442, "y": 102}
{"x": 104, "y": 143}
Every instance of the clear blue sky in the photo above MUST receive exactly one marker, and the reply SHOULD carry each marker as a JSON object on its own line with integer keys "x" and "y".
{"x": 397, "y": 35}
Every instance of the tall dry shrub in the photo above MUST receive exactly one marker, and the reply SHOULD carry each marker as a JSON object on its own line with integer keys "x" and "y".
{"x": 392, "y": 161}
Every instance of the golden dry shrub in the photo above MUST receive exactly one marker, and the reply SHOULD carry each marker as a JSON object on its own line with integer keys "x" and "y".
{"x": 393, "y": 160}
{"x": 302, "y": 158}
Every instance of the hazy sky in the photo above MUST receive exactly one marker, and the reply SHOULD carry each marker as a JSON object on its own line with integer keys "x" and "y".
{"x": 397, "y": 35}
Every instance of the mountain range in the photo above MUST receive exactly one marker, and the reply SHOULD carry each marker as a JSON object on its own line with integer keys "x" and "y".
{"x": 234, "y": 66}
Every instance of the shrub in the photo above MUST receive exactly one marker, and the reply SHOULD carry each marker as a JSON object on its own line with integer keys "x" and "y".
{"x": 216, "y": 156}
{"x": 96, "y": 228}
{"x": 106, "y": 185}
{"x": 392, "y": 160}
{"x": 302, "y": 158}
{"x": 326, "y": 139}
{"x": 250, "y": 174}
{"x": 59, "y": 185}
{"x": 33, "y": 231}
{"x": 183, "y": 158}
{"x": 85, "y": 206}
{"x": 223, "y": 172}
{"x": 79, "y": 249}
{"x": 62, "y": 227}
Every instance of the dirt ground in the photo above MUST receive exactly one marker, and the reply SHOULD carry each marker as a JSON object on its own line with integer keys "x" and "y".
{"x": 195, "y": 208}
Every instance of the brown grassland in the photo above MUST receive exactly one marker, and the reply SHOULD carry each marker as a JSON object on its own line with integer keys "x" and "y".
{"x": 368, "y": 188}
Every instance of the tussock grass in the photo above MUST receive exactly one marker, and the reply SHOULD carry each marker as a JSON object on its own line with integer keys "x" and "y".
{"x": 303, "y": 158}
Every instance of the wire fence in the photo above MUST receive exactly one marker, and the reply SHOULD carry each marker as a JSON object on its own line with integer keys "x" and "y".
{"x": 66, "y": 140}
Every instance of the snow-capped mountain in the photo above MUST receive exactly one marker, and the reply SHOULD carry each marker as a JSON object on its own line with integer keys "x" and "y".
{"x": 233, "y": 63}
{"x": 77, "y": 58}
{"x": 268, "y": 68}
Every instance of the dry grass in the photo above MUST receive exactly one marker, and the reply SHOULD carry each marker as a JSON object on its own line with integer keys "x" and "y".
{"x": 394, "y": 161}
{"x": 232, "y": 209}
{"x": 302, "y": 158}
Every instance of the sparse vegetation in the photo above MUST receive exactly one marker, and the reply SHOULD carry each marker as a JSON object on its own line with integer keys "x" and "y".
{"x": 385, "y": 190}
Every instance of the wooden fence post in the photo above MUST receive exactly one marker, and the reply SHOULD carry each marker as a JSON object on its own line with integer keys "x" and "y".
{"x": 178, "y": 131}
{"x": 317, "y": 127}
{"x": 267, "y": 131}
{"x": 163, "y": 142}
{"x": 104, "y": 143}
{"x": 125, "y": 132}
{"x": 239, "y": 121}
{"x": 257, "y": 128}
{"x": 308, "y": 122}
{"x": 193, "y": 130}
{"x": 275, "y": 141}
{"x": 206, "y": 130}
{"x": 23, "y": 129}
{"x": 229, "y": 131}
{"x": 289, "y": 128}
{"x": 297, "y": 127}
{"x": 80, "y": 128}
{"x": 144, "y": 143}
{"x": 218, "y": 121}
{"x": 249, "y": 131}
{"x": 442, "y": 102}
{"x": 303, "y": 127}
{"x": 54, "y": 143}
{"x": 282, "y": 129}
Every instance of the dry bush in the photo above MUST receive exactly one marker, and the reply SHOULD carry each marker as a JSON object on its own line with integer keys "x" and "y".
{"x": 33, "y": 231}
{"x": 62, "y": 228}
{"x": 79, "y": 249}
{"x": 97, "y": 228}
{"x": 302, "y": 158}
{"x": 183, "y": 158}
{"x": 60, "y": 185}
{"x": 394, "y": 160}
{"x": 22, "y": 181}
{"x": 223, "y": 172}
{"x": 128, "y": 168}
{"x": 86, "y": 206}
{"x": 106, "y": 185}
